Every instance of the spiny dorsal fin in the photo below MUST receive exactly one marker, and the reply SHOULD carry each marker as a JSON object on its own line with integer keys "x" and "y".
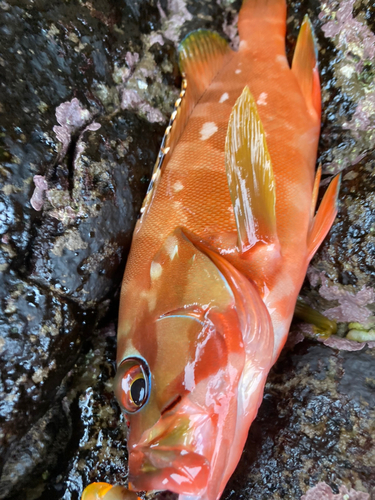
{"x": 250, "y": 176}
{"x": 305, "y": 68}
{"x": 172, "y": 133}
{"x": 201, "y": 56}
{"x": 324, "y": 218}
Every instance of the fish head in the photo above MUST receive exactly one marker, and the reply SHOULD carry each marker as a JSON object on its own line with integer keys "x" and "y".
{"x": 181, "y": 356}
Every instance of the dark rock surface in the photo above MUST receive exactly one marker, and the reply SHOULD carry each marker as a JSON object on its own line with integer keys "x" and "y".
{"x": 113, "y": 64}
{"x": 316, "y": 423}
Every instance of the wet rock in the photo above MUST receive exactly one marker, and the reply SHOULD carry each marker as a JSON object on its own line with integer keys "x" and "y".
{"x": 79, "y": 247}
{"x": 39, "y": 344}
{"x": 314, "y": 425}
{"x": 64, "y": 68}
{"x": 88, "y": 88}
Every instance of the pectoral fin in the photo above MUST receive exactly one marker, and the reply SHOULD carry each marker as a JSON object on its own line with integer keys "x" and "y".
{"x": 324, "y": 218}
{"x": 250, "y": 176}
{"x": 305, "y": 68}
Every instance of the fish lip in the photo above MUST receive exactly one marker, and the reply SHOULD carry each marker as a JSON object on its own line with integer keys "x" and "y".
{"x": 163, "y": 460}
{"x": 188, "y": 474}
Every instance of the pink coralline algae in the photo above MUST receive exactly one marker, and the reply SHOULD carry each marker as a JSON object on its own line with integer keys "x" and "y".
{"x": 352, "y": 306}
{"x": 364, "y": 116}
{"x": 323, "y": 492}
{"x": 350, "y": 31}
{"x": 346, "y": 344}
{"x": 131, "y": 100}
{"x": 37, "y": 198}
{"x": 357, "y": 43}
{"x": 72, "y": 117}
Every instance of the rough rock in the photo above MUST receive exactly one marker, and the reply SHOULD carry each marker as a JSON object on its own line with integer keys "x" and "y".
{"x": 87, "y": 88}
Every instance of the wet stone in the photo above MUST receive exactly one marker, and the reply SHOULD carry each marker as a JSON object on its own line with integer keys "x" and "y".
{"x": 315, "y": 424}
{"x": 114, "y": 66}
{"x": 84, "y": 260}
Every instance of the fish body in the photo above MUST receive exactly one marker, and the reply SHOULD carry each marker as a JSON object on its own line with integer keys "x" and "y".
{"x": 220, "y": 253}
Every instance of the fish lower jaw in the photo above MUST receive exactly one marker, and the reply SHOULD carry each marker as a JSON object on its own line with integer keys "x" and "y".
{"x": 187, "y": 473}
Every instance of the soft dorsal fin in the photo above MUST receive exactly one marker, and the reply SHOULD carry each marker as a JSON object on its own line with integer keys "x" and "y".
{"x": 250, "y": 176}
{"x": 324, "y": 218}
{"x": 305, "y": 68}
{"x": 201, "y": 56}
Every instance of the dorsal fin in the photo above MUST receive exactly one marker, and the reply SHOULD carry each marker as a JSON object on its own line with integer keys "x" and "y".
{"x": 305, "y": 67}
{"x": 250, "y": 176}
{"x": 201, "y": 56}
{"x": 324, "y": 218}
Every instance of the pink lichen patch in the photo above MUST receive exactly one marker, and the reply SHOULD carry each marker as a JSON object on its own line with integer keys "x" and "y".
{"x": 354, "y": 38}
{"x": 80, "y": 147}
{"x": 364, "y": 116}
{"x": 346, "y": 344}
{"x": 156, "y": 38}
{"x": 352, "y": 34}
{"x": 352, "y": 306}
{"x": 37, "y": 198}
{"x": 71, "y": 116}
{"x": 131, "y": 59}
{"x": 323, "y": 492}
{"x": 131, "y": 100}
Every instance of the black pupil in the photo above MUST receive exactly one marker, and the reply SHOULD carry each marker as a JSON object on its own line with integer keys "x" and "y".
{"x": 138, "y": 390}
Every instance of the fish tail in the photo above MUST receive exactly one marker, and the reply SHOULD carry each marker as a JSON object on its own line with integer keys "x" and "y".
{"x": 262, "y": 20}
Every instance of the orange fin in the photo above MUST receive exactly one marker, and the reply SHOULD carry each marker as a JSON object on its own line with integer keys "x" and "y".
{"x": 324, "y": 218}
{"x": 177, "y": 122}
{"x": 305, "y": 67}
{"x": 250, "y": 175}
{"x": 201, "y": 56}
{"x": 315, "y": 192}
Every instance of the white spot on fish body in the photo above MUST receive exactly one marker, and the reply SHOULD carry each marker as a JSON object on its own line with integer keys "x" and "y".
{"x": 177, "y": 186}
{"x": 281, "y": 60}
{"x": 224, "y": 97}
{"x": 262, "y": 100}
{"x": 208, "y": 130}
{"x": 238, "y": 71}
{"x": 171, "y": 246}
{"x": 155, "y": 271}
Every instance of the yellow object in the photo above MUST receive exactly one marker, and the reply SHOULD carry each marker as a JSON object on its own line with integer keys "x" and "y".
{"x": 96, "y": 491}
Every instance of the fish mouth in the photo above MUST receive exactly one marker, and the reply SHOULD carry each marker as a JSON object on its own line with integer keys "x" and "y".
{"x": 175, "y": 454}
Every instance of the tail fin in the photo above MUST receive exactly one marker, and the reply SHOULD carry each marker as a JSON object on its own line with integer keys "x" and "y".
{"x": 264, "y": 18}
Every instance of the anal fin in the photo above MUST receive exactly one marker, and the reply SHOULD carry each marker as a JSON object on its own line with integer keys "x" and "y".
{"x": 250, "y": 175}
{"x": 324, "y": 218}
{"x": 305, "y": 68}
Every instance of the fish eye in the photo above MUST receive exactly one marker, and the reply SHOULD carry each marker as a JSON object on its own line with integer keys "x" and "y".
{"x": 132, "y": 384}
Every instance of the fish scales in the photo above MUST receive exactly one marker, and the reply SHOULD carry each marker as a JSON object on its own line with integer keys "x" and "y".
{"x": 219, "y": 255}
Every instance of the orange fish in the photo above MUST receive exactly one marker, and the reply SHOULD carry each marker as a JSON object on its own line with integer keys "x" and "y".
{"x": 220, "y": 252}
